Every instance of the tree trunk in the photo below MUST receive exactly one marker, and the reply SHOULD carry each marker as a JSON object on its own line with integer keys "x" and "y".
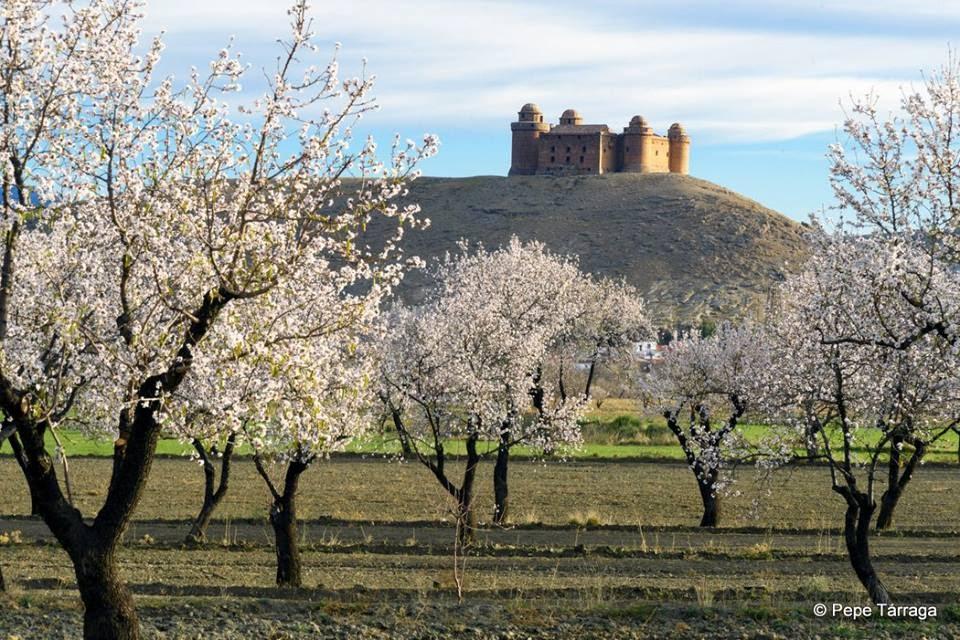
{"x": 706, "y": 480}
{"x": 108, "y": 606}
{"x": 501, "y": 493}
{"x": 810, "y": 442}
{"x": 283, "y": 518}
{"x": 897, "y": 481}
{"x": 465, "y": 510}
{"x": 198, "y": 530}
{"x": 888, "y": 503}
{"x": 711, "y": 501}
{"x": 211, "y": 497}
{"x": 811, "y": 430}
{"x": 109, "y": 613}
{"x": 3, "y": 583}
{"x": 856, "y": 533}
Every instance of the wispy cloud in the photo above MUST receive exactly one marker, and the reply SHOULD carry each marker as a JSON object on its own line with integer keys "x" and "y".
{"x": 475, "y": 63}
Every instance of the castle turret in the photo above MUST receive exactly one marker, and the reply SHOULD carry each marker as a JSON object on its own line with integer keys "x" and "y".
{"x": 571, "y": 116}
{"x": 679, "y": 149}
{"x": 526, "y": 140}
{"x": 636, "y": 146}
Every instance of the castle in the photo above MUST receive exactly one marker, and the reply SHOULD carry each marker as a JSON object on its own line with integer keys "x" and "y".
{"x": 572, "y": 148}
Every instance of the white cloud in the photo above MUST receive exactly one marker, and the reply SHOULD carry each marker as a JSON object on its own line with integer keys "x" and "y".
{"x": 475, "y": 63}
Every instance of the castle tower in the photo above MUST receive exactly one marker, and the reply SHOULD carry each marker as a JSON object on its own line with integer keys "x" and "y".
{"x": 526, "y": 140}
{"x": 637, "y": 138}
{"x": 679, "y": 149}
{"x": 571, "y": 116}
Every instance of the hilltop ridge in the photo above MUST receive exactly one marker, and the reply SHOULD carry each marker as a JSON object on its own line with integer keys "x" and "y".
{"x": 695, "y": 249}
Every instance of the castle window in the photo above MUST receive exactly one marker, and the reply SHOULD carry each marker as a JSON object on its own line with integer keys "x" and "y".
{"x": 581, "y": 159}
{"x": 553, "y": 159}
{"x": 584, "y": 148}
{"x": 628, "y": 148}
{"x": 568, "y": 149}
{"x": 568, "y": 159}
{"x": 552, "y": 149}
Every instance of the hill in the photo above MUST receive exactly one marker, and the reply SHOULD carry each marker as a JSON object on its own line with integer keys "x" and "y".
{"x": 695, "y": 249}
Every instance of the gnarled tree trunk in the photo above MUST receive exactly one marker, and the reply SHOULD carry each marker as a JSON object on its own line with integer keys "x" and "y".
{"x": 888, "y": 503}
{"x": 109, "y": 612}
{"x": 465, "y": 511}
{"x": 501, "y": 493}
{"x": 212, "y": 496}
{"x": 710, "y": 499}
{"x": 283, "y": 519}
{"x": 897, "y": 481}
{"x": 856, "y": 533}
{"x": 108, "y": 606}
{"x": 707, "y": 476}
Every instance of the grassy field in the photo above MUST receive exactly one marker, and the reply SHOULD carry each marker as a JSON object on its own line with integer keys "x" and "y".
{"x": 614, "y": 430}
{"x": 595, "y": 549}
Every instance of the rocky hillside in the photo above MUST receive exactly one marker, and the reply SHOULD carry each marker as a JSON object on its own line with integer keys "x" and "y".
{"x": 695, "y": 249}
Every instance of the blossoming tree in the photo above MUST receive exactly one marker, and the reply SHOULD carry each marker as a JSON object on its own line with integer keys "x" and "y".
{"x": 595, "y": 323}
{"x": 896, "y": 179}
{"x": 136, "y": 214}
{"x": 468, "y": 364}
{"x": 867, "y": 400}
{"x": 291, "y": 378}
{"x": 703, "y": 388}
{"x": 886, "y": 298}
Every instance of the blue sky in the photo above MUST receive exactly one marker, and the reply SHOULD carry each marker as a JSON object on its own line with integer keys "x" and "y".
{"x": 758, "y": 84}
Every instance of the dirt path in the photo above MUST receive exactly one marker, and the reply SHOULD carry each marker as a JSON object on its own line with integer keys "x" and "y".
{"x": 657, "y": 540}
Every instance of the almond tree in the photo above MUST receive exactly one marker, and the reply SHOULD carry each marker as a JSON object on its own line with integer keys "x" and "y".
{"x": 896, "y": 179}
{"x": 277, "y": 373}
{"x": 704, "y": 387}
{"x": 877, "y": 401}
{"x": 136, "y": 214}
{"x": 468, "y": 363}
{"x": 293, "y": 384}
{"x": 600, "y": 320}
{"x": 888, "y": 296}
{"x": 423, "y": 403}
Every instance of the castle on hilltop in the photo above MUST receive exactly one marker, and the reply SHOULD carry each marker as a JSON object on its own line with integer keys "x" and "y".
{"x": 574, "y": 148}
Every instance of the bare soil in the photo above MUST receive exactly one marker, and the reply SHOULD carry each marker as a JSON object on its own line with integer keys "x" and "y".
{"x": 377, "y": 558}
{"x": 375, "y": 489}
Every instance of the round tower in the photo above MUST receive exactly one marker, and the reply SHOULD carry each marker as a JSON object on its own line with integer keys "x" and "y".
{"x": 571, "y": 116}
{"x": 526, "y": 140}
{"x": 637, "y": 151}
{"x": 679, "y": 149}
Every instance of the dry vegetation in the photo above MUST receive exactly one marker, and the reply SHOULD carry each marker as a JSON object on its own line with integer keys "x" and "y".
{"x": 693, "y": 248}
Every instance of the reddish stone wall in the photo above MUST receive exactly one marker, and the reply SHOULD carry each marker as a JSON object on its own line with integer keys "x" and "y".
{"x": 610, "y": 153}
{"x": 524, "y": 153}
{"x": 569, "y": 154}
{"x": 631, "y": 153}
{"x": 656, "y": 155}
